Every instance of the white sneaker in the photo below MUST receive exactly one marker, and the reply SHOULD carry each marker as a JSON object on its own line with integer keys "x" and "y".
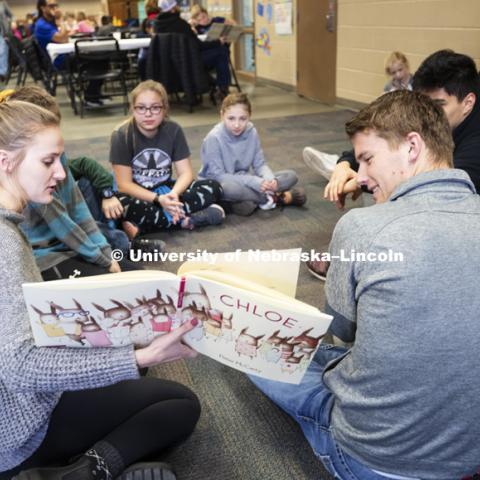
{"x": 270, "y": 204}
{"x": 323, "y": 163}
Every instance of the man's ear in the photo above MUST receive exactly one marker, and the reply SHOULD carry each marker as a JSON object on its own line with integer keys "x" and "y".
{"x": 469, "y": 103}
{"x": 415, "y": 145}
{"x": 6, "y": 161}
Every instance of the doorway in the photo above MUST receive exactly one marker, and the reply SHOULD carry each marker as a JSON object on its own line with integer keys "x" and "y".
{"x": 123, "y": 9}
{"x": 317, "y": 49}
{"x": 245, "y": 46}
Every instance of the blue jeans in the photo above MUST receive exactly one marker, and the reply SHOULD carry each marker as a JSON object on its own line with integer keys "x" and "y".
{"x": 234, "y": 191}
{"x": 310, "y": 404}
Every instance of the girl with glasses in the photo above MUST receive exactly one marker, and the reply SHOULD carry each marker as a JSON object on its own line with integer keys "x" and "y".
{"x": 145, "y": 152}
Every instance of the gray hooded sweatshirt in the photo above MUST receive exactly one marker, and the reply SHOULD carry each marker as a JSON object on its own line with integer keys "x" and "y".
{"x": 239, "y": 158}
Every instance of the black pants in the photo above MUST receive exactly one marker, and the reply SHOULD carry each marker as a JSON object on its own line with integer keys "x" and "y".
{"x": 78, "y": 267}
{"x": 139, "y": 418}
{"x": 149, "y": 217}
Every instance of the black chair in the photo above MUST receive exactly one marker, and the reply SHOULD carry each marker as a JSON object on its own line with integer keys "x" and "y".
{"x": 174, "y": 60}
{"x": 99, "y": 62}
{"x": 39, "y": 65}
{"x": 17, "y": 63}
{"x": 234, "y": 82}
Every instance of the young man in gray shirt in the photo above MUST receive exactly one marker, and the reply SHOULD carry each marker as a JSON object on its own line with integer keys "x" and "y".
{"x": 397, "y": 397}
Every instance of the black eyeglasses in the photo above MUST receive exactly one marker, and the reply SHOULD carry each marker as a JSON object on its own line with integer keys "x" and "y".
{"x": 154, "y": 109}
{"x": 53, "y": 5}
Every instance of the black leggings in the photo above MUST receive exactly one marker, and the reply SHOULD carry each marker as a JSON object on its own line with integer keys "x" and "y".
{"x": 78, "y": 267}
{"x": 150, "y": 217}
{"x": 139, "y": 418}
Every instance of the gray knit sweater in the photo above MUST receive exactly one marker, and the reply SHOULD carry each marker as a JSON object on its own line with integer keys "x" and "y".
{"x": 32, "y": 379}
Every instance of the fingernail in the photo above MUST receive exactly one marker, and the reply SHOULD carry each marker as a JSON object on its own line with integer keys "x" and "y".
{"x": 194, "y": 322}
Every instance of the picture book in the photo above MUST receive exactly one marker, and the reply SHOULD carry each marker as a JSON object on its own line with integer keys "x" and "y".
{"x": 230, "y": 32}
{"x": 247, "y": 316}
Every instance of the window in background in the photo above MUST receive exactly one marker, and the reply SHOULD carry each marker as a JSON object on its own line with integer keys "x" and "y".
{"x": 245, "y": 48}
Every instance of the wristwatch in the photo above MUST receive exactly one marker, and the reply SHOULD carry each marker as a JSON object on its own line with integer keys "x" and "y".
{"x": 108, "y": 193}
{"x": 157, "y": 200}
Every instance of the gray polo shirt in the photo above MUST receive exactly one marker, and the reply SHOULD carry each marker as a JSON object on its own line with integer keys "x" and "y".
{"x": 407, "y": 392}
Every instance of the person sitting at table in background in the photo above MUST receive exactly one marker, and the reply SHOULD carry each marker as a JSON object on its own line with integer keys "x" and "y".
{"x": 85, "y": 25}
{"x": 143, "y": 151}
{"x": 16, "y": 31}
{"x": 106, "y": 28}
{"x": 63, "y": 233}
{"x": 151, "y": 9}
{"x": 215, "y": 55}
{"x": 232, "y": 155}
{"x": 201, "y": 21}
{"x": 46, "y": 30}
{"x": 70, "y": 24}
{"x": 72, "y": 413}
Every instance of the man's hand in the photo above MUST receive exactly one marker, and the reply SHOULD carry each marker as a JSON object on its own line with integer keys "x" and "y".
{"x": 166, "y": 348}
{"x": 342, "y": 174}
{"x": 114, "y": 267}
{"x": 350, "y": 187}
{"x": 112, "y": 208}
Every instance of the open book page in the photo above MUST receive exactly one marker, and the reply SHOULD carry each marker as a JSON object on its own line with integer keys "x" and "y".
{"x": 230, "y": 32}
{"x": 256, "y": 334}
{"x": 104, "y": 311}
{"x": 274, "y": 269}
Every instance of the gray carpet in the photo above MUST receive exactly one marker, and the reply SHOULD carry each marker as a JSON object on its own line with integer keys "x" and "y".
{"x": 241, "y": 434}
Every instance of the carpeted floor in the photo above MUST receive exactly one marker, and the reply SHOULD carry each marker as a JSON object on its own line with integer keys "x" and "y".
{"x": 241, "y": 434}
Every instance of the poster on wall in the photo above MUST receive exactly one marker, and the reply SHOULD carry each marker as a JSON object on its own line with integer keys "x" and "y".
{"x": 260, "y": 8}
{"x": 283, "y": 17}
{"x": 263, "y": 41}
{"x": 269, "y": 11}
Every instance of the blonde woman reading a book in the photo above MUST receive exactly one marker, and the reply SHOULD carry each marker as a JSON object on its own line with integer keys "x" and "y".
{"x": 60, "y": 404}
{"x": 145, "y": 152}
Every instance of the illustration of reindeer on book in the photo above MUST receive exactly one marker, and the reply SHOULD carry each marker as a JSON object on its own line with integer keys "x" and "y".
{"x": 116, "y": 325}
{"x": 140, "y": 323}
{"x": 290, "y": 353}
{"x": 212, "y": 323}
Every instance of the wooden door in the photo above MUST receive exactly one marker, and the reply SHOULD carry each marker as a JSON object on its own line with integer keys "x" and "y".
{"x": 123, "y": 9}
{"x": 316, "y": 49}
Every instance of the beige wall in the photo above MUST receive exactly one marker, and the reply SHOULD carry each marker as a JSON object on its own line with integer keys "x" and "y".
{"x": 368, "y": 30}
{"x": 91, "y": 7}
{"x": 281, "y": 64}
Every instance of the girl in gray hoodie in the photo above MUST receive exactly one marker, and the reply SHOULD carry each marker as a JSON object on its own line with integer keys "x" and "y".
{"x": 232, "y": 155}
